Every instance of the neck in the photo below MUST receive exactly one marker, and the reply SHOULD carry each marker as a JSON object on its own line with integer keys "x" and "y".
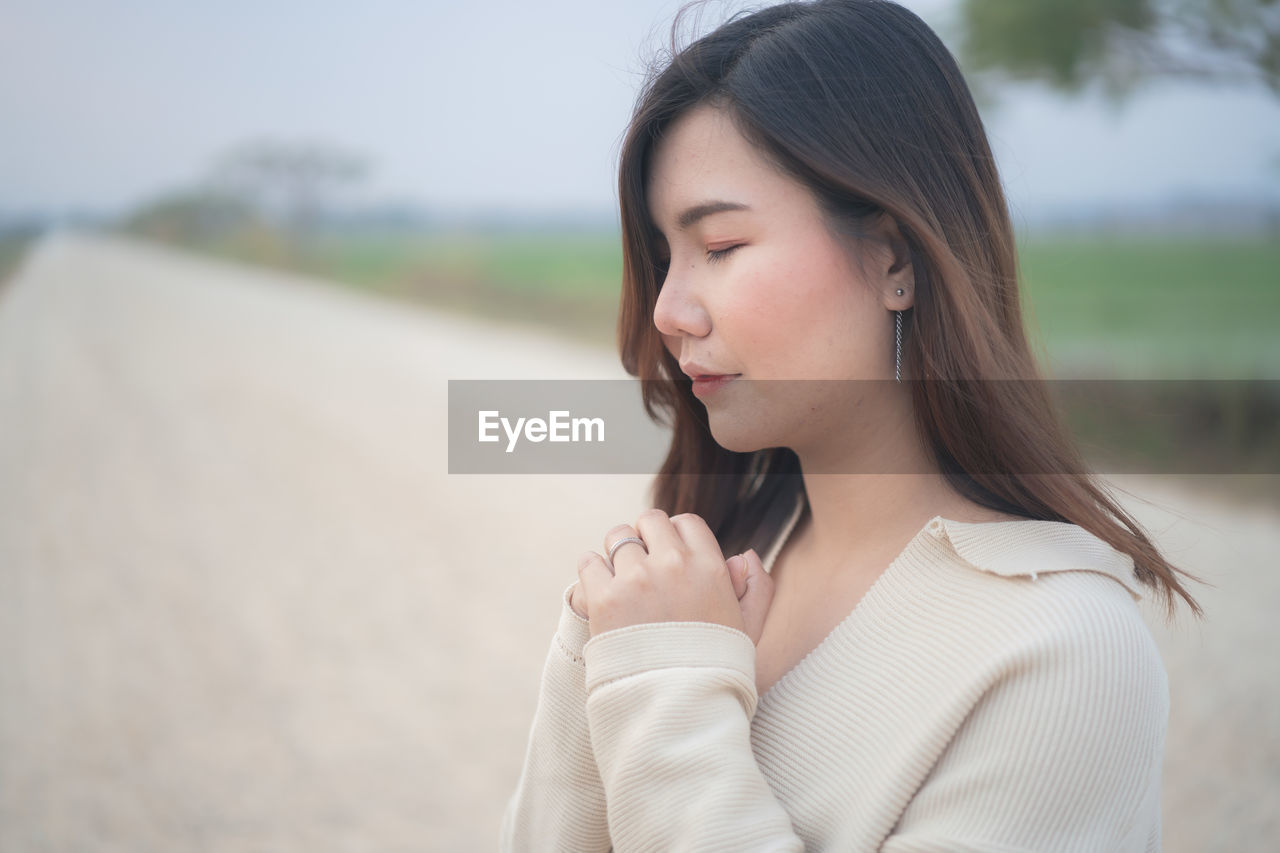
{"x": 870, "y": 494}
{"x": 863, "y": 517}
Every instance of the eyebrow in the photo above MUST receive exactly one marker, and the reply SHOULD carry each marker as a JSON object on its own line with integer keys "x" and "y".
{"x": 701, "y": 211}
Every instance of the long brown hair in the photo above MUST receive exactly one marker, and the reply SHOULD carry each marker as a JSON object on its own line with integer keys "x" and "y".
{"x": 862, "y": 103}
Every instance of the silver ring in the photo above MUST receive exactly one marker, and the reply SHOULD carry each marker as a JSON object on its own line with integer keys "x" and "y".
{"x": 621, "y": 542}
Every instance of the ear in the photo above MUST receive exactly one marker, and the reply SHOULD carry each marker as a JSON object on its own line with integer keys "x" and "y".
{"x": 896, "y": 271}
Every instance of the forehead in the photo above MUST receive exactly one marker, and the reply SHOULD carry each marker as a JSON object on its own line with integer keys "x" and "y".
{"x": 702, "y": 156}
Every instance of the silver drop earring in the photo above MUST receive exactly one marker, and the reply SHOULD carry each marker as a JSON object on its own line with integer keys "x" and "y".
{"x": 897, "y": 337}
{"x": 897, "y": 361}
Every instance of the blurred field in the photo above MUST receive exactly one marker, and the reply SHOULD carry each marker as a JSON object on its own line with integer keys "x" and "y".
{"x": 1122, "y": 307}
{"x": 567, "y": 282}
{"x": 1157, "y": 307}
{"x": 1097, "y": 308}
{"x": 13, "y": 248}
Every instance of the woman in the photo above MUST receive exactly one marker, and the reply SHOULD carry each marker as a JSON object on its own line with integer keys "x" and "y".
{"x": 941, "y": 648}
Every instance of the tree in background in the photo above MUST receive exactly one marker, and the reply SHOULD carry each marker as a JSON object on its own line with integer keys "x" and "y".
{"x": 262, "y": 200}
{"x": 193, "y": 216}
{"x": 292, "y": 184}
{"x": 1120, "y": 43}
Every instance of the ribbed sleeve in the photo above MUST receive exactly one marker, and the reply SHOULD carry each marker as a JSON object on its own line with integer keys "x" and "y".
{"x": 669, "y": 706}
{"x": 559, "y": 801}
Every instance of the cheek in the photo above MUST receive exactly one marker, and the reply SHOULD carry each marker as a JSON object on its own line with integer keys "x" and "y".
{"x": 807, "y": 313}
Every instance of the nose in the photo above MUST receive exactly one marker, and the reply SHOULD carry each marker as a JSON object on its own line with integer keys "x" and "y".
{"x": 678, "y": 311}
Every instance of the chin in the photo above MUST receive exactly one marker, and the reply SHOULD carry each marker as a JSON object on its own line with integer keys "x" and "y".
{"x": 738, "y": 435}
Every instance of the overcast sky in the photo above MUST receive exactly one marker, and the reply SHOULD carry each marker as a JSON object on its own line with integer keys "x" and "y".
{"x": 516, "y": 106}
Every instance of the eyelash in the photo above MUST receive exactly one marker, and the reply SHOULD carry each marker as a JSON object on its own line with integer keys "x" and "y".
{"x": 714, "y": 255}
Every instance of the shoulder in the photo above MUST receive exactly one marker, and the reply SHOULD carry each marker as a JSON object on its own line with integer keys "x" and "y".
{"x": 1059, "y": 699}
{"x": 1053, "y": 597}
{"x": 1031, "y": 549}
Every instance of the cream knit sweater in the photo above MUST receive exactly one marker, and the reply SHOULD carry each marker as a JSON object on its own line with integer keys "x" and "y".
{"x": 995, "y": 690}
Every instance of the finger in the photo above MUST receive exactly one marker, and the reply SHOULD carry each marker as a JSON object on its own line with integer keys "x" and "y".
{"x": 594, "y": 575}
{"x": 738, "y": 574}
{"x": 757, "y": 578}
{"x": 578, "y": 601}
{"x": 756, "y": 601}
{"x": 697, "y": 536}
{"x": 632, "y": 550}
{"x": 659, "y": 534}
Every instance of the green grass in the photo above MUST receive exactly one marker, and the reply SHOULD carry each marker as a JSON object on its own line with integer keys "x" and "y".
{"x": 569, "y": 283}
{"x": 554, "y": 266}
{"x": 1161, "y": 307}
{"x": 585, "y": 265}
{"x": 13, "y": 248}
{"x": 1127, "y": 307}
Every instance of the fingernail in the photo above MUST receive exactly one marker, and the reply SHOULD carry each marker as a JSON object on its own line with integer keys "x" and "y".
{"x": 735, "y": 563}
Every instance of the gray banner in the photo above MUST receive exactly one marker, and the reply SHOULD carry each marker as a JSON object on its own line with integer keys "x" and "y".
{"x": 1121, "y": 426}
{"x": 552, "y": 426}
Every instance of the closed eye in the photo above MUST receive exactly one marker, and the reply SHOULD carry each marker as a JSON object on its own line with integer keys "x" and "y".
{"x": 714, "y": 255}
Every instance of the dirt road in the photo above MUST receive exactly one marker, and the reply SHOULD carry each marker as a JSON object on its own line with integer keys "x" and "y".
{"x": 243, "y": 606}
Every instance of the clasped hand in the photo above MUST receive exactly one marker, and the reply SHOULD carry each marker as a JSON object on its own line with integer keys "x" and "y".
{"x": 678, "y": 575}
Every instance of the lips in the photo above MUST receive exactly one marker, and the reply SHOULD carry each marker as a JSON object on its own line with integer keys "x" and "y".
{"x": 697, "y": 371}
{"x": 705, "y": 385}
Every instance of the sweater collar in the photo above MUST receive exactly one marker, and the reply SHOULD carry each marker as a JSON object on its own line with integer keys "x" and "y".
{"x": 1025, "y": 548}
{"x": 1031, "y": 548}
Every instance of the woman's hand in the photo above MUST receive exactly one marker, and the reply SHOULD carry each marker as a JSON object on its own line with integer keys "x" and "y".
{"x": 678, "y": 575}
{"x": 682, "y": 577}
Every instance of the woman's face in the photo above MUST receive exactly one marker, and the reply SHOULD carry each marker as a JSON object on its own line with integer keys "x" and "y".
{"x": 758, "y": 286}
